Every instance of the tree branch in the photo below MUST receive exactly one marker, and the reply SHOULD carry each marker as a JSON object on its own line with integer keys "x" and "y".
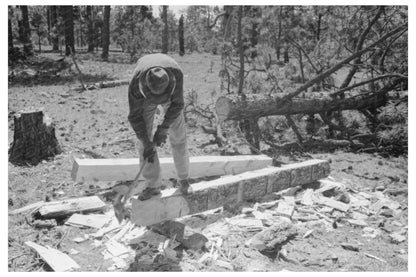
{"x": 216, "y": 19}
{"x": 339, "y": 65}
{"x": 366, "y": 82}
{"x": 360, "y": 46}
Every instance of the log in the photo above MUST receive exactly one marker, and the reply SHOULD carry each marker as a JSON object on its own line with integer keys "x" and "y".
{"x": 202, "y": 166}
{"x": 57, "y": 260}
{"x": 71, "y": 206}
{"x": 234, "y": 109}
{"x": 229, "y": 190}
{"x": 34, "y": 138}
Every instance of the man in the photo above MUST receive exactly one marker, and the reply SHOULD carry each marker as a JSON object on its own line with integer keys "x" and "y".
{"x": 158, "y": 80}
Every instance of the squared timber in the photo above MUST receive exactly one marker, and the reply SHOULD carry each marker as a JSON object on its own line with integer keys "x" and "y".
{"x": 84, "y": 170}
{"x": 206, "y": 195}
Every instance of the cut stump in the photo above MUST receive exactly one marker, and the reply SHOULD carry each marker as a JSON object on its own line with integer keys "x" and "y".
{"x": 34, "y": 138}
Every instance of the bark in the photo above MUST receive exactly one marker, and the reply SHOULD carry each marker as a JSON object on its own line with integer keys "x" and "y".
{"x": 241, "y": 52}
{"x": 165, "y": 32}
{"x": 230, "y": 109}
{"x": 226, "y": 23}
{"x": 10, "y": 36}
{"x": 34, "y": 139}
{"x": 25, "y": 32}
{"x": 318, "y": 28}
{"x": 68, "y": 16}
{"x": 254, "y": 34}
{"x": 106, "y": 33}
{"x": 279, "y": 34}
{"x": 90, "y": 34}
{"x": 181, "y": 37}
{"x": 313, "y": 145}
{"x": 54, "y": 31}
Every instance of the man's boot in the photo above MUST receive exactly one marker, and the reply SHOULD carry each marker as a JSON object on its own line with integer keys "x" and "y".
{"x": 184, "y": 186}
{"x": 148, "y": 193}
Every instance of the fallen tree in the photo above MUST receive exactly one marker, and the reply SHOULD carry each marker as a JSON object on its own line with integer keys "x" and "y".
{"x": 228, "y": 108}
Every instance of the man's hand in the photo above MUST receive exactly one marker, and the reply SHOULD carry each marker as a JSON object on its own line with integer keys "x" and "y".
{"x": 160, "y": 136}
{"x": 149, "y": 152}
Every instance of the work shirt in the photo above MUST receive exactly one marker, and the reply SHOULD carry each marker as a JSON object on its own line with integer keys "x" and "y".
{"x": 138, "y": 99}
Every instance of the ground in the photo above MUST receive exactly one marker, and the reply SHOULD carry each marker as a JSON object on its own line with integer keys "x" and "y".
{"x": 94, "y": 124}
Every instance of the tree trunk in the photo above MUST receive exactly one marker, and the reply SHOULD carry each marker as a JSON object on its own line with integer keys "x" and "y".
{"x": 68, "y": 16}
{"x": 54, "y": 28}
{"x": 240, "y": 51}
{"x": 48, "y": 21}
{"x": 106, "y": 33}
{"x": 279, "y": 34}
{"x": 226, "y": 23}
{"x": 318, "y": 28}
{"x": 234, "y": 109}
{"x": 34, "y": 139}
{"x": 165, "y": 32}
{"x": 90, "y": 33}
{"x": 11, "y": 46}
{"x": 181, "y": 37}
{"x": 39, "y": 43}
{"x": 286, "y": 54}
{"x": 254, "y": 34}
{"x": 25, "y": 32}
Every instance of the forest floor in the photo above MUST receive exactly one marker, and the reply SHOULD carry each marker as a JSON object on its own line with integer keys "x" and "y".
{"x": 94, "y": 123}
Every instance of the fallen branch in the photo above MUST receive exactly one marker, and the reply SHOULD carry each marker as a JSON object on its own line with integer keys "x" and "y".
{"x": 79, "y": 70}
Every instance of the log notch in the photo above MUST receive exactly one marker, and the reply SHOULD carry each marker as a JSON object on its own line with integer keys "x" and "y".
{"x": 256, "y": 107}
{"x": 34, "y": 138}
{"x": 230, "y": 190}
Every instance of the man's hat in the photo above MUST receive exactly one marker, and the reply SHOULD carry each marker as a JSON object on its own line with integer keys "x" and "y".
{"x": 157, "y": 81}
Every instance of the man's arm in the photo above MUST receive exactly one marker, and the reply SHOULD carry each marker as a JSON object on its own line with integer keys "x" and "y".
{"x": 177, "y": 102}
{"x": 135, "y": 116}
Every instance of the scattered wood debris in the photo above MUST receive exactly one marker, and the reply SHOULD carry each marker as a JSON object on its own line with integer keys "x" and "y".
{"x": 57, "y": 260}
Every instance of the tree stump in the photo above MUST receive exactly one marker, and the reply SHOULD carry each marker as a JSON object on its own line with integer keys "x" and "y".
{"x": 34, "y": 138}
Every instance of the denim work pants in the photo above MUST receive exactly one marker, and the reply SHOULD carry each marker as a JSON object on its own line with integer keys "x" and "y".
{"x": 177, "y": 139}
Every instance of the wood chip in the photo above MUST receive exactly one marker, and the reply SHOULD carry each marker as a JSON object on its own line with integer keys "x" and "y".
{"x": 374, "y": 257}
{"x": 358, "y": 222}
{"x": 285, "y": 209}
{"x": 397, "y": 238}
{"x": 224, "y": 264}
{"x": 57, "y": 260}
{"x": 116, "y": 249}
{"x": 331, "y": 203}
{"x": 359, "y": 216}
{"x": 250, "y": 223}
{"x": 307, "y": 199}
{"x": 91, "y": 220}
{"x": 308, "y": 233}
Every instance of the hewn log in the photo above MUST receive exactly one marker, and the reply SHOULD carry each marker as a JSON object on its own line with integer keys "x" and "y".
{"x": 34, "y": 138}
{"x": 256, "y": 107}
{"x": 202, "y": 166}
{"x": 229, "y": 190}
